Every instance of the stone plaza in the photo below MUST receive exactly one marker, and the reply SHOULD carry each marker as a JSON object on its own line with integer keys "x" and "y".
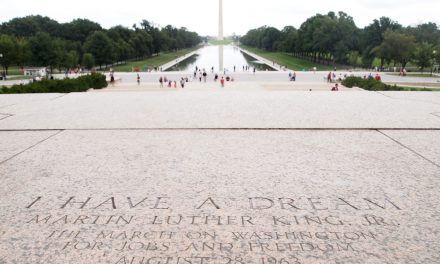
{"x": 246, "y": 174}
{"x": 262, "y": 171}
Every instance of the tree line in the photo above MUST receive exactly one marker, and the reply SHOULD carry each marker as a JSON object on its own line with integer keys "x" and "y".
{"x": 42, "y": 41}
{"x": 335, "y": 38}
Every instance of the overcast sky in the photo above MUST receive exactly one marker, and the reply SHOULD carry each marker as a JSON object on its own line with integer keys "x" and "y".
{"x": 239, "y": 15}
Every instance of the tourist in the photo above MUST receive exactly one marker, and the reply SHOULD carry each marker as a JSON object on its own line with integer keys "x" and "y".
{"x": 329, "y": 77}
{"x": 174, "y": 84}
{"x": 336, "y": 87}
{"x": 169, "y": 84}
{"x": 234, "y": 68}
{"x": 182, "y": 83}
{"x": 138, "y": 79}
{"x": 216, "y": 77}
{"x": 254, "y": 70}
{"x": 112, "y": 79}
{"x": 161, "y": 81}
{"x": 377, "y": 77}
{"x": 212, "y": 69}
{"x": 204, "y": 75}
{"x": 228, "y": 78}
{"x": 290, "y": 76}
{"x": 222, "y": 82}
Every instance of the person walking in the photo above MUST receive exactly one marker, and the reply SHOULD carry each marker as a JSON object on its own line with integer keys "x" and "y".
{"x": 182, "y": 83}
{"x": 205, "y": 75}
{"x": 161, "y": 81}
{"x": 222, "y": 82}
{"x": 112, "y": 79}
{"x": 138, "y": 79}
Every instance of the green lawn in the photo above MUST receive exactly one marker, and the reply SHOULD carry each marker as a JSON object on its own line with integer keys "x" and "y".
{"x": 14, "y": 71}
{"x": 219, "y": 42}
{"x": 418, "y": 89}
{"x": 287, "y": 60}
{"x": 154, "y": 61}
{"x": 416, "y": 74}
{"x": 18, "y": 77}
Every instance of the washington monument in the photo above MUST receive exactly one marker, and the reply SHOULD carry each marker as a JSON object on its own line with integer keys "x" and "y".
{"x": 220, "y": 21}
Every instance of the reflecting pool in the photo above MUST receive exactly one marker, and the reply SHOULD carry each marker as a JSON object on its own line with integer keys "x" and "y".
{"x": 220, "y": 58}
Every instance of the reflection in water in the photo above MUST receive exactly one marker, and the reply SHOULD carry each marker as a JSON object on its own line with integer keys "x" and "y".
{"x": 185, "y": 63}
{"x": 219, "y": 58}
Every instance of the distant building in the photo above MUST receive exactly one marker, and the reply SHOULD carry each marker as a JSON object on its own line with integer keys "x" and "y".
{"x": 35, "y": 71}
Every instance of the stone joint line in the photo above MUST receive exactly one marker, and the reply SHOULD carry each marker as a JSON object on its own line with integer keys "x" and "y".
{"x": 410, "y": 149}
{"x": 34, "y": 145}
{"x": 5, "y": 116}
{"x": 221, "y": 129}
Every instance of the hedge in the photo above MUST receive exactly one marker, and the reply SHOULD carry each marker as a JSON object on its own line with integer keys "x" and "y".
{"x": 369, "y": 84}
{"x": 80, "y": 84}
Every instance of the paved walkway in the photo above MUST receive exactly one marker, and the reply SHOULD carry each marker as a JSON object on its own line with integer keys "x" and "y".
{"x": 206, "y": 175}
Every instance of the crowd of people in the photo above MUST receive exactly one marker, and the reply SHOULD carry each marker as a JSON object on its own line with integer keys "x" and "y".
{"x": 199, "y": 75}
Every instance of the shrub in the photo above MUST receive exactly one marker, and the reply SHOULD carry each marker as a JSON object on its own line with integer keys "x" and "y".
{"x": 369, "y": 84}
{"x": 80, "y": 84}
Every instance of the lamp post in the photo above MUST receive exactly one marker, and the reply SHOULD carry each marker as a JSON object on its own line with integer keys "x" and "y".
{"x": 2, "y": 72}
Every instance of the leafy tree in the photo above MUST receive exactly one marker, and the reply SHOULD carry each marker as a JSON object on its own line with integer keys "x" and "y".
{"x": 30, "y": 25}
{"x": 24, "y": 53}
{"x": 353, "y": 58}
{"x": 79, "y": 30}
{"x": 372, "y": 36}
{"x": 423, "y": 55}
{"x": 9, "y": 51}
{"x": 396, "y": 46}
{"x": 427, "y": 32}
{"x": 100, "y": 46}
{"x": 71, "y": 59}
{"x": 88, "y": 61}
{"x": 142, "y": 44}
{"x": 44, "y": 50}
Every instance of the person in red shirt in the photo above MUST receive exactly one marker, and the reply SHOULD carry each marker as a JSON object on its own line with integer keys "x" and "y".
{"x": 377, "y": 77}
{"x": 222, "y": 82}
{"x": 335, "y": 88}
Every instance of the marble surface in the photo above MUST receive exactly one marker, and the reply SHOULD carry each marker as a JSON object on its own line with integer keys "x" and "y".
{"x": 13, "y": 143}
{"x": 211, "y": 196}
{"x": 228, "y": 108}
{"x": 425, "y": 143}
{"x": 220, "y": 176}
